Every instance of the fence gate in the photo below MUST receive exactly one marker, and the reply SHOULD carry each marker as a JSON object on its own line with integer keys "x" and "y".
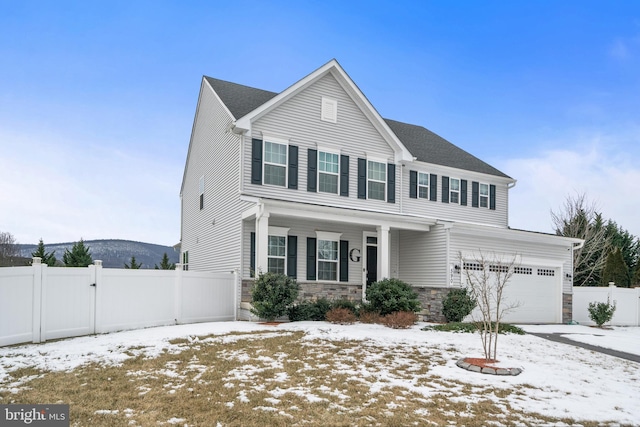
{"x": 68, "y": 302}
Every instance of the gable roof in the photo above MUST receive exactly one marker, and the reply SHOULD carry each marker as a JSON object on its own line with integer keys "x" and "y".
{"x": 423, "y": 144}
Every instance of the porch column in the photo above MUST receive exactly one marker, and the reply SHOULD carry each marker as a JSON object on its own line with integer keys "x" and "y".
{"x": 383, "y": 251}
{"x": 262, "y": 233}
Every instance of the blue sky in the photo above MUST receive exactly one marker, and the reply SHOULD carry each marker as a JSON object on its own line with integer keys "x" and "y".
{"x": 97, "y": 99}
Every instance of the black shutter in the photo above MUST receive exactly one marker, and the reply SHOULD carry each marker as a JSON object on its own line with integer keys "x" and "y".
{"x": 344, "y": 176}
{"x": 252, "y": 259}
{"x": 344, "y": 260}
{"x": 463, "y": 192}
{"x": 293, "y": 167}
{"x": 292, "y": 256}
{"x": 362, "y": 178}
{"x": 433, "y": 187}
{"x": 475, "y": 194}
{"x": 413, "y": 184}
{"x": 445, "y": 189}
{"x": 256, "y": 161}
{"x": 492, "y": 197}
{"x": 311, "y": 258}
{"x": 391, "y": 183}
{"x": 312, "y": 170}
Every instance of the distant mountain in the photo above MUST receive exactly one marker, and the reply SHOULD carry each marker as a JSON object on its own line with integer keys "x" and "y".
{"x": 114, "y": 253}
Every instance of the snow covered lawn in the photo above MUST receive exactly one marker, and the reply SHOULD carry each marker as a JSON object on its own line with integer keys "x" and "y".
{"x": 316, "y": 373}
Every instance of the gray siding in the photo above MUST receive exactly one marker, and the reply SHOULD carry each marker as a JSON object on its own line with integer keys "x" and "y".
{"x": 298, "y": 119}
{"x": 422, "y": 260}
{"x": 450, "y": 211}
{"x": 212, "y": 235}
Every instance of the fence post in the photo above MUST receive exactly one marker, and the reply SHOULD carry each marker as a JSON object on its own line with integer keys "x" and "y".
{"x": 237, "y": 286}
{"x": 97, "y": 301}
{"x": 177, "y": 307}
{"x": 37, "y": 299}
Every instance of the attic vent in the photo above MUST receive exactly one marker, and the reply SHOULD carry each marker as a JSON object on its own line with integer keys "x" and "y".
{"x": 329, "y": 110}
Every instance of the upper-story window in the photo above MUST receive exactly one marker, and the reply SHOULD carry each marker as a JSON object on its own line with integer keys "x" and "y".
{"x": 484, "y": 195}
{"x": 454, "y": 190}
{"x": 423, "y": 185}
{"x": 328, "y": 172}
{"x": 376, "y": 180}
{"x": 275, "y": 163}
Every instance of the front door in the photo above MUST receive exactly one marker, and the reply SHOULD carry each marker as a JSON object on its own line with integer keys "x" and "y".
{"x": 372, "y": 264}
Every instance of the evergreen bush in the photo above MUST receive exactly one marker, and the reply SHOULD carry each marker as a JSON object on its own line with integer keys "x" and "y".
{"x": 601, "y": 312}
{"x": 345, "y": 303}
{"x": 309, "y": 310}
{"x": 272, "y": 295}
{"x": 391, "y": 295}
{"x": 457, "y": 305}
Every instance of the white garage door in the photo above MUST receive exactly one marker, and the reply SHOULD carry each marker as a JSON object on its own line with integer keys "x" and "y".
{"x": 537, "y": 290}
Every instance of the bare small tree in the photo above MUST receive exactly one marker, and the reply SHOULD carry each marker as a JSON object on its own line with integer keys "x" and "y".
{"x": 8, "y": 245}
{"x": 579, "y": 218}
{"x": 487, "y": 276}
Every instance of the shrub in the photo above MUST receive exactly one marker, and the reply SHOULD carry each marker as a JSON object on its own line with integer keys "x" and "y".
{"x": 343, "y": 316}
{"x": 369, "y": 317}
{"x": 272, "y": 295}
{"x": 457, "y": 305}
{"x": 400, "y": 319}
{"x": 601, "y": 312}
{"x": 391, "y": 295}
{"x": 344, "y": 303}
{"x": 309, "y": 310}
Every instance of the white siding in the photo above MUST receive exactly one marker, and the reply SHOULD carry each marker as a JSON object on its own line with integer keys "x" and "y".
{"x": 423, "y": 257}
{"x": 212, "y": 235}
{"x": 298, "y": 119}
{"x": 489, "y": 242}
{"x": 451, "y": 211}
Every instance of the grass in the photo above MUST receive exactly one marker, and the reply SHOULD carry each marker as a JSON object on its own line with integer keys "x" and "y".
{"x": 276, "y": 379}
{"x": 505, "y": 328}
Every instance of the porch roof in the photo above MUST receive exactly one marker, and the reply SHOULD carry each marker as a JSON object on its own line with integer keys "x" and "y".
{"x": 334, "y": 214}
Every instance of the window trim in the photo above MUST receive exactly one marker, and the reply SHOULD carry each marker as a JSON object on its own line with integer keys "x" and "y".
{"x": 328, "y": 237}
{"x": 481, "y": 196}
{"x": 185, "y": 260}
{"x": 279, "y": 141}
{"x": 384, "y": 182}
{"x": 427, "y": 187}
{"x": 278, "y": 232}
{"x": 321, "y": 150}
{"x": 452, "y": 191}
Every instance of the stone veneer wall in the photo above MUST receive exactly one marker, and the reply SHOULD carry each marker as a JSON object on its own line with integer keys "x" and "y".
{"x": 431, "y": 303}
{"x": 313, "y": 290}
{"x": 567, "y": 308}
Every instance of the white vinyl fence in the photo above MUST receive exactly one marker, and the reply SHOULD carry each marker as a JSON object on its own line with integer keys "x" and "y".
{"x": 627, "y": 304}
{"x": 39, "y": 303}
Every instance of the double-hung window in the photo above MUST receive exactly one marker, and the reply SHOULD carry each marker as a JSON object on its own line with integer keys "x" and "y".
{"x": 454, "y": 190}
{"x": 328, "y": 251}
{"x": 376, "y": 180}
{"x": 276, "y": 254}
{"x": 328, "y": 170}
{"x": 277, "y": 250}
{"x": 275, "y": 163}
{"x": 423, "y": 185}
{"x": 484, "y": 195}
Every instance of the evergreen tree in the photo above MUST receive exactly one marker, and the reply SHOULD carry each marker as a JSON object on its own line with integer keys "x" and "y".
{"x": 636, "y": 277}
{"x": 79, "y": 256}
{"x": 165, "y": 264}
{"x": 132, "y": 264}
{"x": 615, "y": 270}
{"x": 628, "y": 244}
{"x": 48, "y": 258}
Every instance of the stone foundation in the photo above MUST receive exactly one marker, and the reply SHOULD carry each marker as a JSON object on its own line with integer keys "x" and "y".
{"x": 313, "y": 290}
{"x": 567, "y": 308}
{"x": 431, "y": 303}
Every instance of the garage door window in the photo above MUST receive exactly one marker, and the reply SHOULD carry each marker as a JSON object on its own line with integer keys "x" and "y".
{"x": 523, "y": 270}
{"x": 546, "y": 272}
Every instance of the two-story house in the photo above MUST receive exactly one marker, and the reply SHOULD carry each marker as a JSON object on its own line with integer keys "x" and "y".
{"x": 312, "y": 182}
